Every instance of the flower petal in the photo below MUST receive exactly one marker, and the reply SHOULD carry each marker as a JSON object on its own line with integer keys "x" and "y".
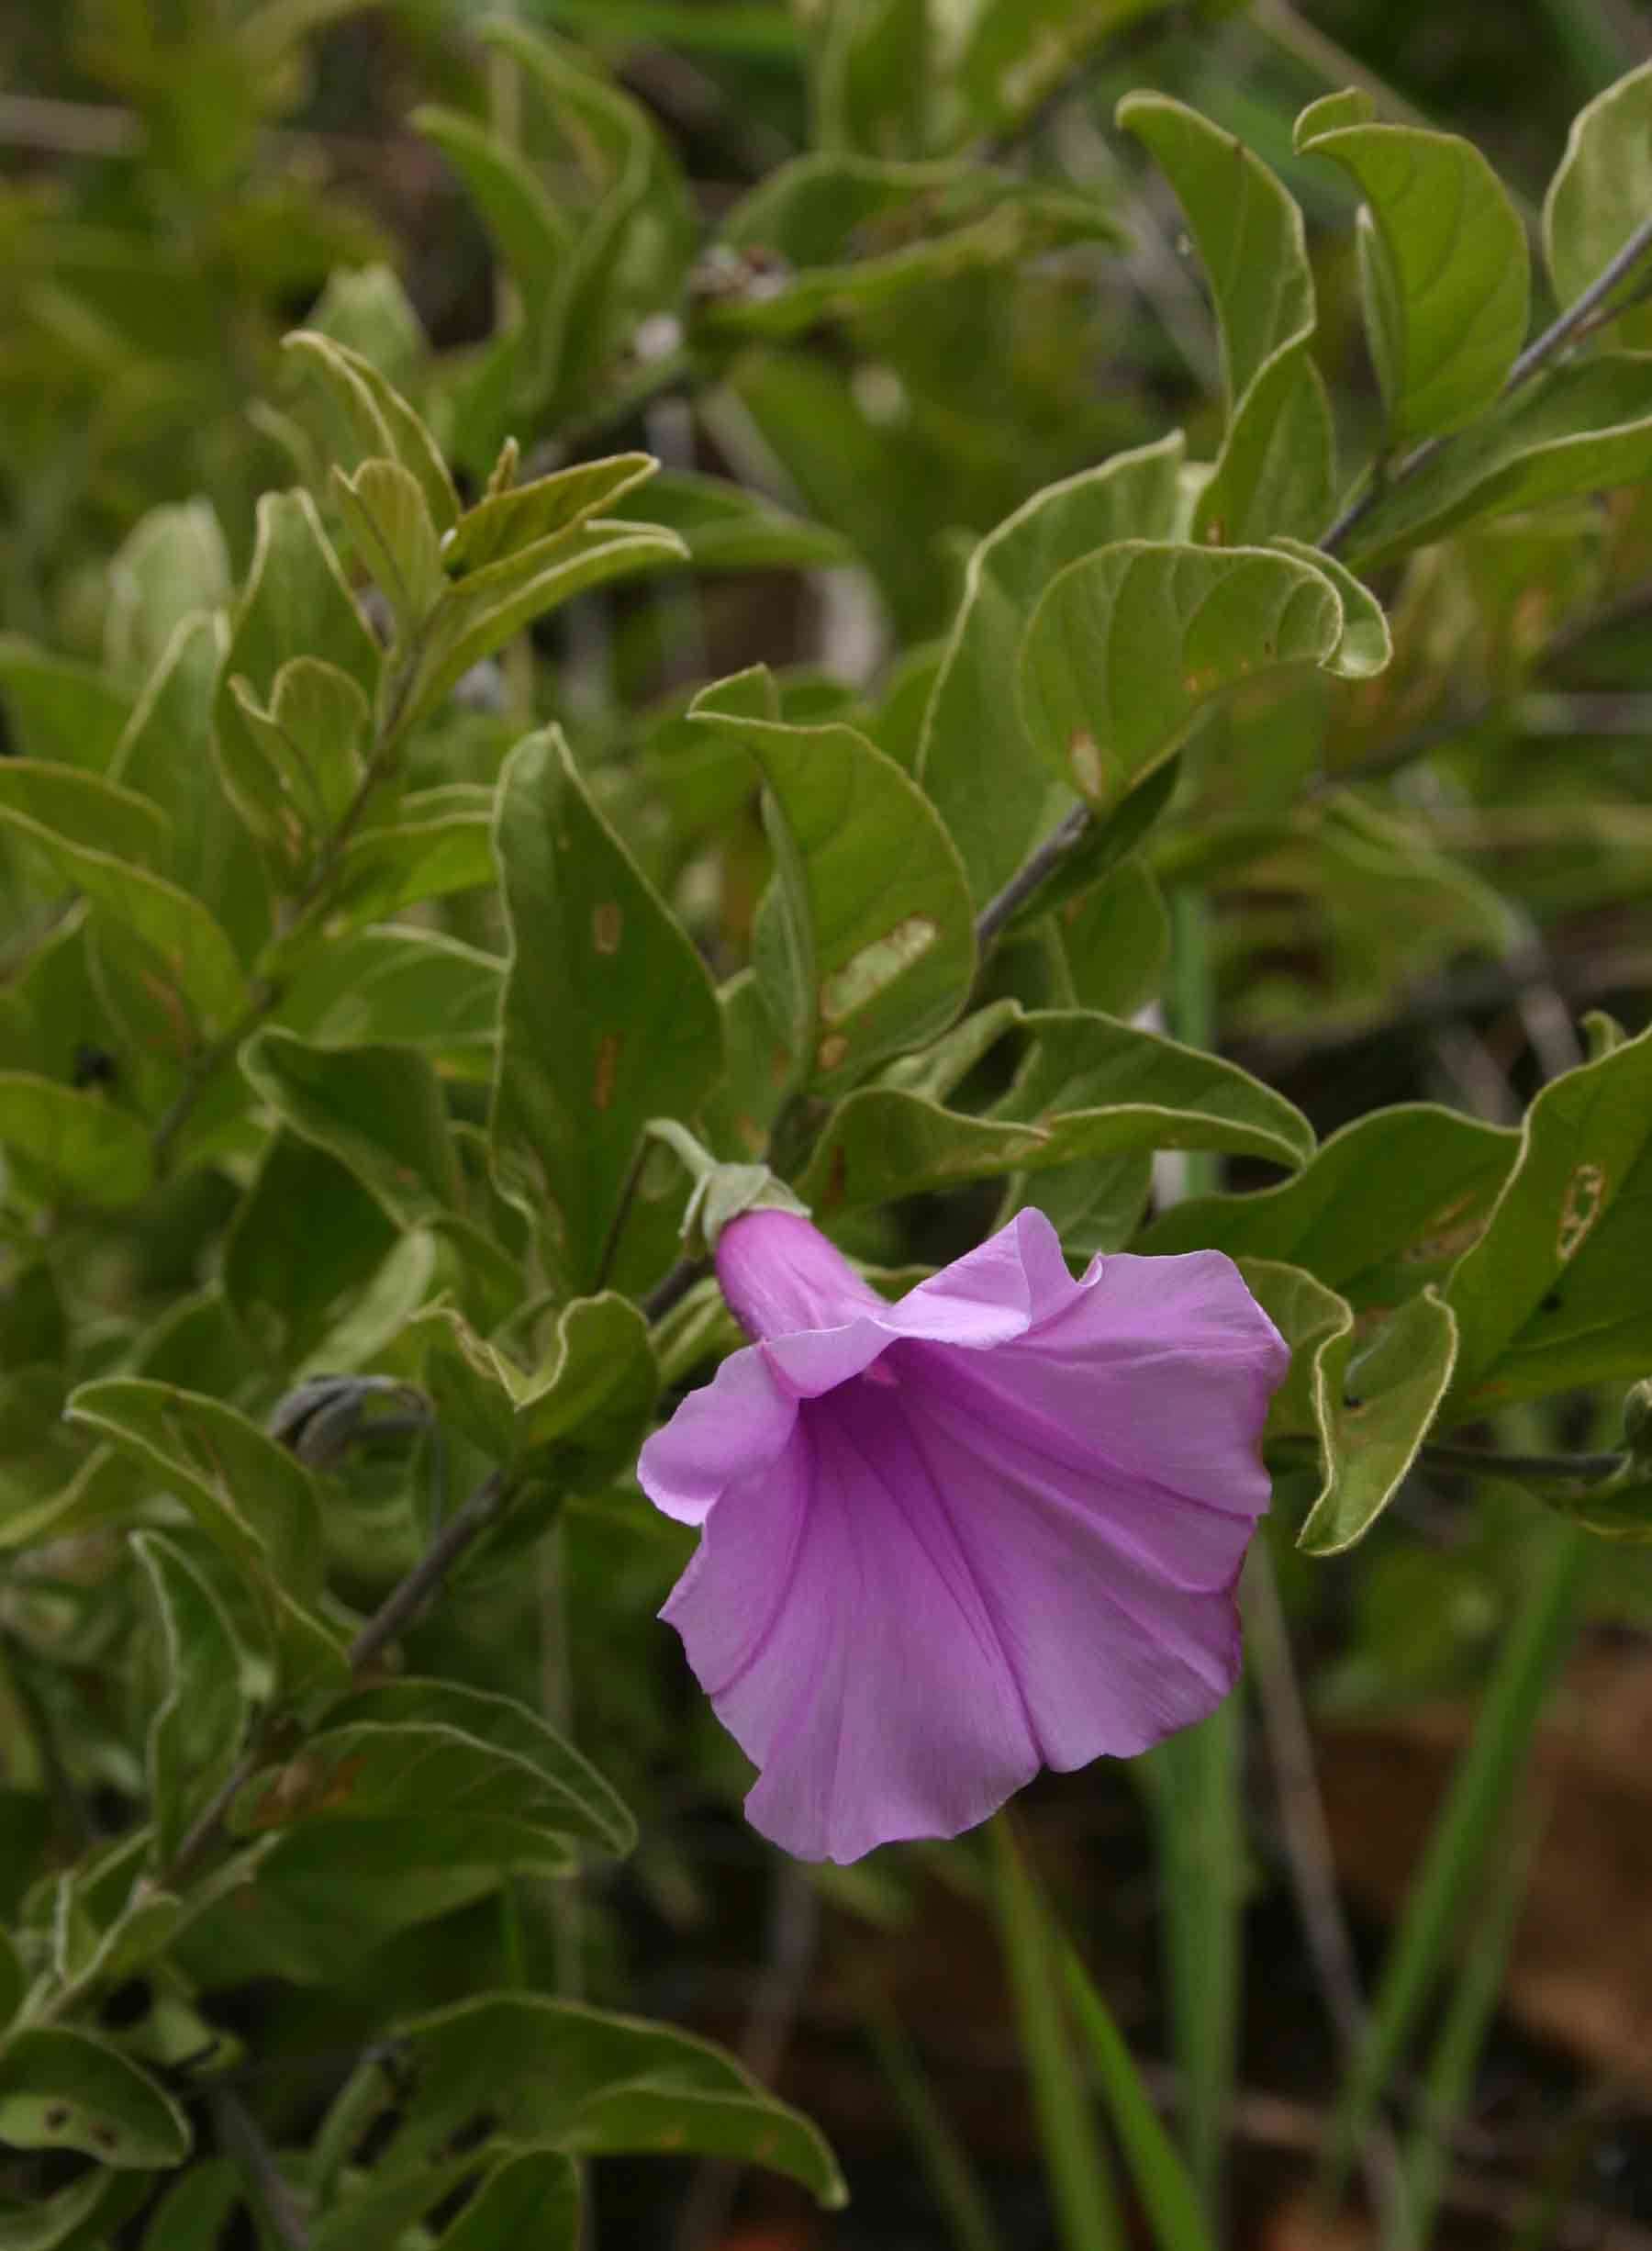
{"x": 734, "y": 1427}
{"x": 833, "y": 1618}
{"x": 1114, "y": 1604}
{"x": 1158, "y": 1369}
{"x": 1012, "y": 1281}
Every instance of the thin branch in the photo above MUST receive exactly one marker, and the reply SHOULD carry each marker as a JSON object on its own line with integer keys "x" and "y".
{"x": 1308, "y": 1846}
{"x": 672, "y": 1290}
{"x": 1481, "y": 1461}
{"x": 1563, "y": 330}
{"x": 399, "y": 1608}
{"x": 244, "y": 2145}
{"x": 1034, "y": 870}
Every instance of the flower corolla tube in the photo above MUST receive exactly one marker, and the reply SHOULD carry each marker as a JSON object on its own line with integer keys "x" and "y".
{"x": 995, "y": 1525}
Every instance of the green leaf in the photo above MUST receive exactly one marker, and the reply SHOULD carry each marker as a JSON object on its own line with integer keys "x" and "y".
{"x": 1128, "y": 645}
{"x": 366, "y": 309}
{"x": 533, "y": 233}
{"x": 418, "y": 1747}
{"x": 1447, "y": 281}
{"x": 575, "y": 1418}
{"x": 289, "y": 1287}
{"x": 478, "y": 613}
{"x": 1368, "y": 1408}
{"x": 14, "y": 1980}
{"x": 872, "y": 77}
{"x": 531, "y": 2199}
{"x": 1087, "y": 1088}
{"x": 1601, "y": 193}
{"x": 379, "y": 1110}
{"x": 296, "y": 602}
{"x": 1276, "y": 470}
{"x": 976, "y": 764}
{"x": 61, "y": 2089}
{"x": 378, "y": 423}
{"x": 523, "y": 518}
{"x": 79, "y": 807}
{"x": 403, "y": 986}
{"x": 630, "y": 257}
{"x": 828, "y": 237}
{"x": 389, "y": 524}
{"x": 609, "y": 1015}
{"x": 1366, "y": 646}
{"x": 1554, "y": 1292}
{"x": 198, "y": 1728}
{"x": 76, "y": 2218}
{"x": 865, "y": 945}
{"x": 1574, "y": 430}
{"x": 251, "y": 1498}
{"x": 59, "y": 709}
{"x": 1386, "y": 1206}
{"x": 314, "y": 734}
{"x": 197, "y": 2209}
{"x": 725, "y": 528}
{"x": 1018, "y": 51}
{"x": 166, "y": 750}
{"x": 1114, "y": 941}
{"x": 556, "y": 2075}
{"x": 77, "y": 1140}
{"x": 171, "y": 564}
{"x": 1248, "y": 229}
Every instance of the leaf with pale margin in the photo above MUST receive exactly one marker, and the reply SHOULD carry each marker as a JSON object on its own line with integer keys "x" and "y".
{"x": 1384, "y": 1206}
{"x": 574, "y": 1419}
{"x": 296, "y": 602}
{"x": 1580, "y": 428}
{"x": 1089, "y": 1087}
{"x": 840, "y": 235}
{"x": 975, "y": 763}
{"x": 1128, "y": 645}
{"x": 1553, "y": 1293}
{"x": 610, "y": 1018}
{"x": 506, "y": 524}
{"x": 77, "y": 1139}
{"x": 435, "y": 842}
{"x": 413, "y": 1746}
{"x": 534, "y": 234}
{"x": 62, "y": 2089}
{"x": 725, "y": 528}
{"x": 1447, "y": 281}
{"x": 172, "y": 565}
{"x": 554, "y": 2074}
{"x": 389, "y": 522}
{"x": 199, "y": 1725}
{"x": 315, "y": 734}
{"x": 251, "y": 1497}
{"x": 1274, "y": 471}
{"x": 868, "y": 947}
{"x": 382, "y": 426}
{"x": 1368, "y": 1408}
{"x": 59, "y": 709}
{"x": 1601, "y": 193}
{"x": 379, "y": 1110}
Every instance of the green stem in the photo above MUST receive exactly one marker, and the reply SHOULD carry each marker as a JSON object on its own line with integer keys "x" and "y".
{"x": 942, "y": 2155}
{"x": 1481, "y": 1789}
{"x": 1080, "y": 2182}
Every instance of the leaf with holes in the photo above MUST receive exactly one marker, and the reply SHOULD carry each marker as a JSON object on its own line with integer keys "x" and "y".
{"x": 1369, "y": 1402}
{"x": 61, "y": 2089}
{"x": 1553, "y": 1293}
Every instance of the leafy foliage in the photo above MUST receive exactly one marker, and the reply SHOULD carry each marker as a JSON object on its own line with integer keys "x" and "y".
{"x": 775, "y": 673}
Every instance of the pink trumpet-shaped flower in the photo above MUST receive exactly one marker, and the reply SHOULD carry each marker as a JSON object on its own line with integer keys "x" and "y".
{"x": 993, "y": 1526}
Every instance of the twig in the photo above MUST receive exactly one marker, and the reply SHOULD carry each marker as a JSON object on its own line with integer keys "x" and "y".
{"x": 1035, "y": 869}
{"x": 1560, "y": 332}
{"x": 404, "y": 1603}
{"x": 1308, "y": 1846}
{"x": 675, "y": 1286}
{"x": 1481, "y": 1461}
{"x": 788, "y": 1950}
{"x": 253, "y": 2158}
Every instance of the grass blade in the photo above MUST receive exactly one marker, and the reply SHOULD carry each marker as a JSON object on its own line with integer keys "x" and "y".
{"x": 1080, "y": 2182}
{"x": 945, "y": 2161}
